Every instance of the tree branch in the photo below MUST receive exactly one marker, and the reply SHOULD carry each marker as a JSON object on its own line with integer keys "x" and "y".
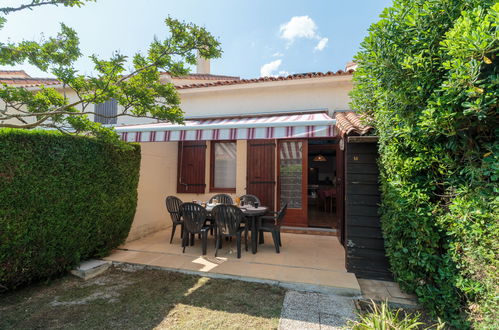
{"x": 47, "y": 115}
{"x": 31, "y": 125}
{"x": 33, "y": 4}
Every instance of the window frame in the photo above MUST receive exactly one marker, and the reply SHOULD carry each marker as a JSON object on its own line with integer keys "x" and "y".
{"x": 212, "y": 168}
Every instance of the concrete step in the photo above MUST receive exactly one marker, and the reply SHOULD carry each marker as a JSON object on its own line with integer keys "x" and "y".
{"x": 310, "y": 231}
{"x": 91, "y": 268}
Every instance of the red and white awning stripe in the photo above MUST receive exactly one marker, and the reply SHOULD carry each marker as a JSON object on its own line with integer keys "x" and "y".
{"x": 241, "y": 128}
{"x": 291, "y": 150}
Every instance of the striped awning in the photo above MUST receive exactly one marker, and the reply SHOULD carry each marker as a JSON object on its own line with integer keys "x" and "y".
{"x": 306, "y": 125}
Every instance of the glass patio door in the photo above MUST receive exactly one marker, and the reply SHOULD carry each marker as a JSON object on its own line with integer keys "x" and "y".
{"x": 292, "y": 160}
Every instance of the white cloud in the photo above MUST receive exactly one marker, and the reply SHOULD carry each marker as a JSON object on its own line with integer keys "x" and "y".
{"x": 302, "y": 27}
{"x": 321, "y": 44}
{"x": 299, "y": 27}
{"x": 277, "y": 54}
{"x": 283, "y": 73}
{"x": 267, "y": 70}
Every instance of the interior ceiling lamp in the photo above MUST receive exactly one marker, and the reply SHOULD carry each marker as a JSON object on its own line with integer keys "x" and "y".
{"x": 320, "y": 158}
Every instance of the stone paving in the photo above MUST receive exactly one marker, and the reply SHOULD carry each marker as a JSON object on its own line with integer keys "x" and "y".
{"x": 306, "y": 310}
{"x": 386, "y": 291}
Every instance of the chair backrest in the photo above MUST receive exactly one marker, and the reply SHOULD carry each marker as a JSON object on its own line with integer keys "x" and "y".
{"x": 280, "y": 215}
{"x": 325, "y": 193}
{"x": 173, "y": 206}
{"x": 222, "y": 199}
{"x": 228, "y": 218}
{"x": 250, "y": 199}
{"x": 194, "y": 216}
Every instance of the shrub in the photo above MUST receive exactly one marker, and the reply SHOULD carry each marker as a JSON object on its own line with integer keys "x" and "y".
{"x": 382, "y": 317}
{"x": 63, "y": 199}
{"x": 428, "y": 76}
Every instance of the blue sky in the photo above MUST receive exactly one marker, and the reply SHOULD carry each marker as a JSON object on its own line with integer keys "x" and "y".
{"x": 258, "y": 37}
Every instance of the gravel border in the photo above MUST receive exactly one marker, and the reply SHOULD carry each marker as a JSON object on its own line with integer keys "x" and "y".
{"x": 309, "y": 310}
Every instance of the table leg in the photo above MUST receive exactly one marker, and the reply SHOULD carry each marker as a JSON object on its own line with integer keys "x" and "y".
{"x": 254, "y": 234}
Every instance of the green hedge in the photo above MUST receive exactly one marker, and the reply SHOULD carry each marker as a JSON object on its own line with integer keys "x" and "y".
{"x": 63, "y": 199}
{"x": 428, "y": 76}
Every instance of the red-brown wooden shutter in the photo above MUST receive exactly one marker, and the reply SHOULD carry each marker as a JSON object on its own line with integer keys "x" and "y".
{"x": 261, "y": 171}
{"x": 191, "y": 167}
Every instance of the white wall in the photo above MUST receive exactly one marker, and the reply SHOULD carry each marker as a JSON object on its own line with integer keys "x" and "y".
{"x": 329, "y": 93}
{"x": 264, "y": 97}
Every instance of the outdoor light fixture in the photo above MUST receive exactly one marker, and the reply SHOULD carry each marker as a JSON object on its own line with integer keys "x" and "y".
{"x": 320, "y": 158}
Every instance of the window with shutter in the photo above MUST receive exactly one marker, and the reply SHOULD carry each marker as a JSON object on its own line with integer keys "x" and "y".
{"x": 223, "y": 166}
{"x": 191, "y": 167}
{"x": 105, "y": 112}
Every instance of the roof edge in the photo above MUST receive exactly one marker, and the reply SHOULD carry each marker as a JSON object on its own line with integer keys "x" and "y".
{"x": 299, "y": 76}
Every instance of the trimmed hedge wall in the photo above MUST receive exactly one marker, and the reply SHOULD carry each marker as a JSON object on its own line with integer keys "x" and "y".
{"x": 428, "y": 76}
{"x": 63, "y": 199}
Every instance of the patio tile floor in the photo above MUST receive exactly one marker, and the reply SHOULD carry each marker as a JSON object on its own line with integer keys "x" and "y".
{"x": 304, "y": 259}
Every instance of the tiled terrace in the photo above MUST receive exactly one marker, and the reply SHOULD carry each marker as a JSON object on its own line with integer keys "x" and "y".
{"x": 305, "y": 260}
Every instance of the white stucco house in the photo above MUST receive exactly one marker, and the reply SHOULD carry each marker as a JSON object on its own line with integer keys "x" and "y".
{"x": 226, "y": 114}
{"x": 284, "y": 139}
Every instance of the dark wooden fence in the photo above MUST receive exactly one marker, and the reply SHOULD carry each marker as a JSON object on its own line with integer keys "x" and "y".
{"x": 365, "y": 252}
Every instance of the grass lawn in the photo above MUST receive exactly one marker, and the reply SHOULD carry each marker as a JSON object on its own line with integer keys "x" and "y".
{"x": 127, "y": 298}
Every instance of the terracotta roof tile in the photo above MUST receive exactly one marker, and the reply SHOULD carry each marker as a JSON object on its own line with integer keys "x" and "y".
{"x": 28, "y": 82}
{"x": 20, "y": 78}
{"x": 350, "y": 123}
{"x": 266, "y": 79}
{"x": 203, "y": 76}
{"x": 14, "y": 74}
{"x": 222, "y": 80}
